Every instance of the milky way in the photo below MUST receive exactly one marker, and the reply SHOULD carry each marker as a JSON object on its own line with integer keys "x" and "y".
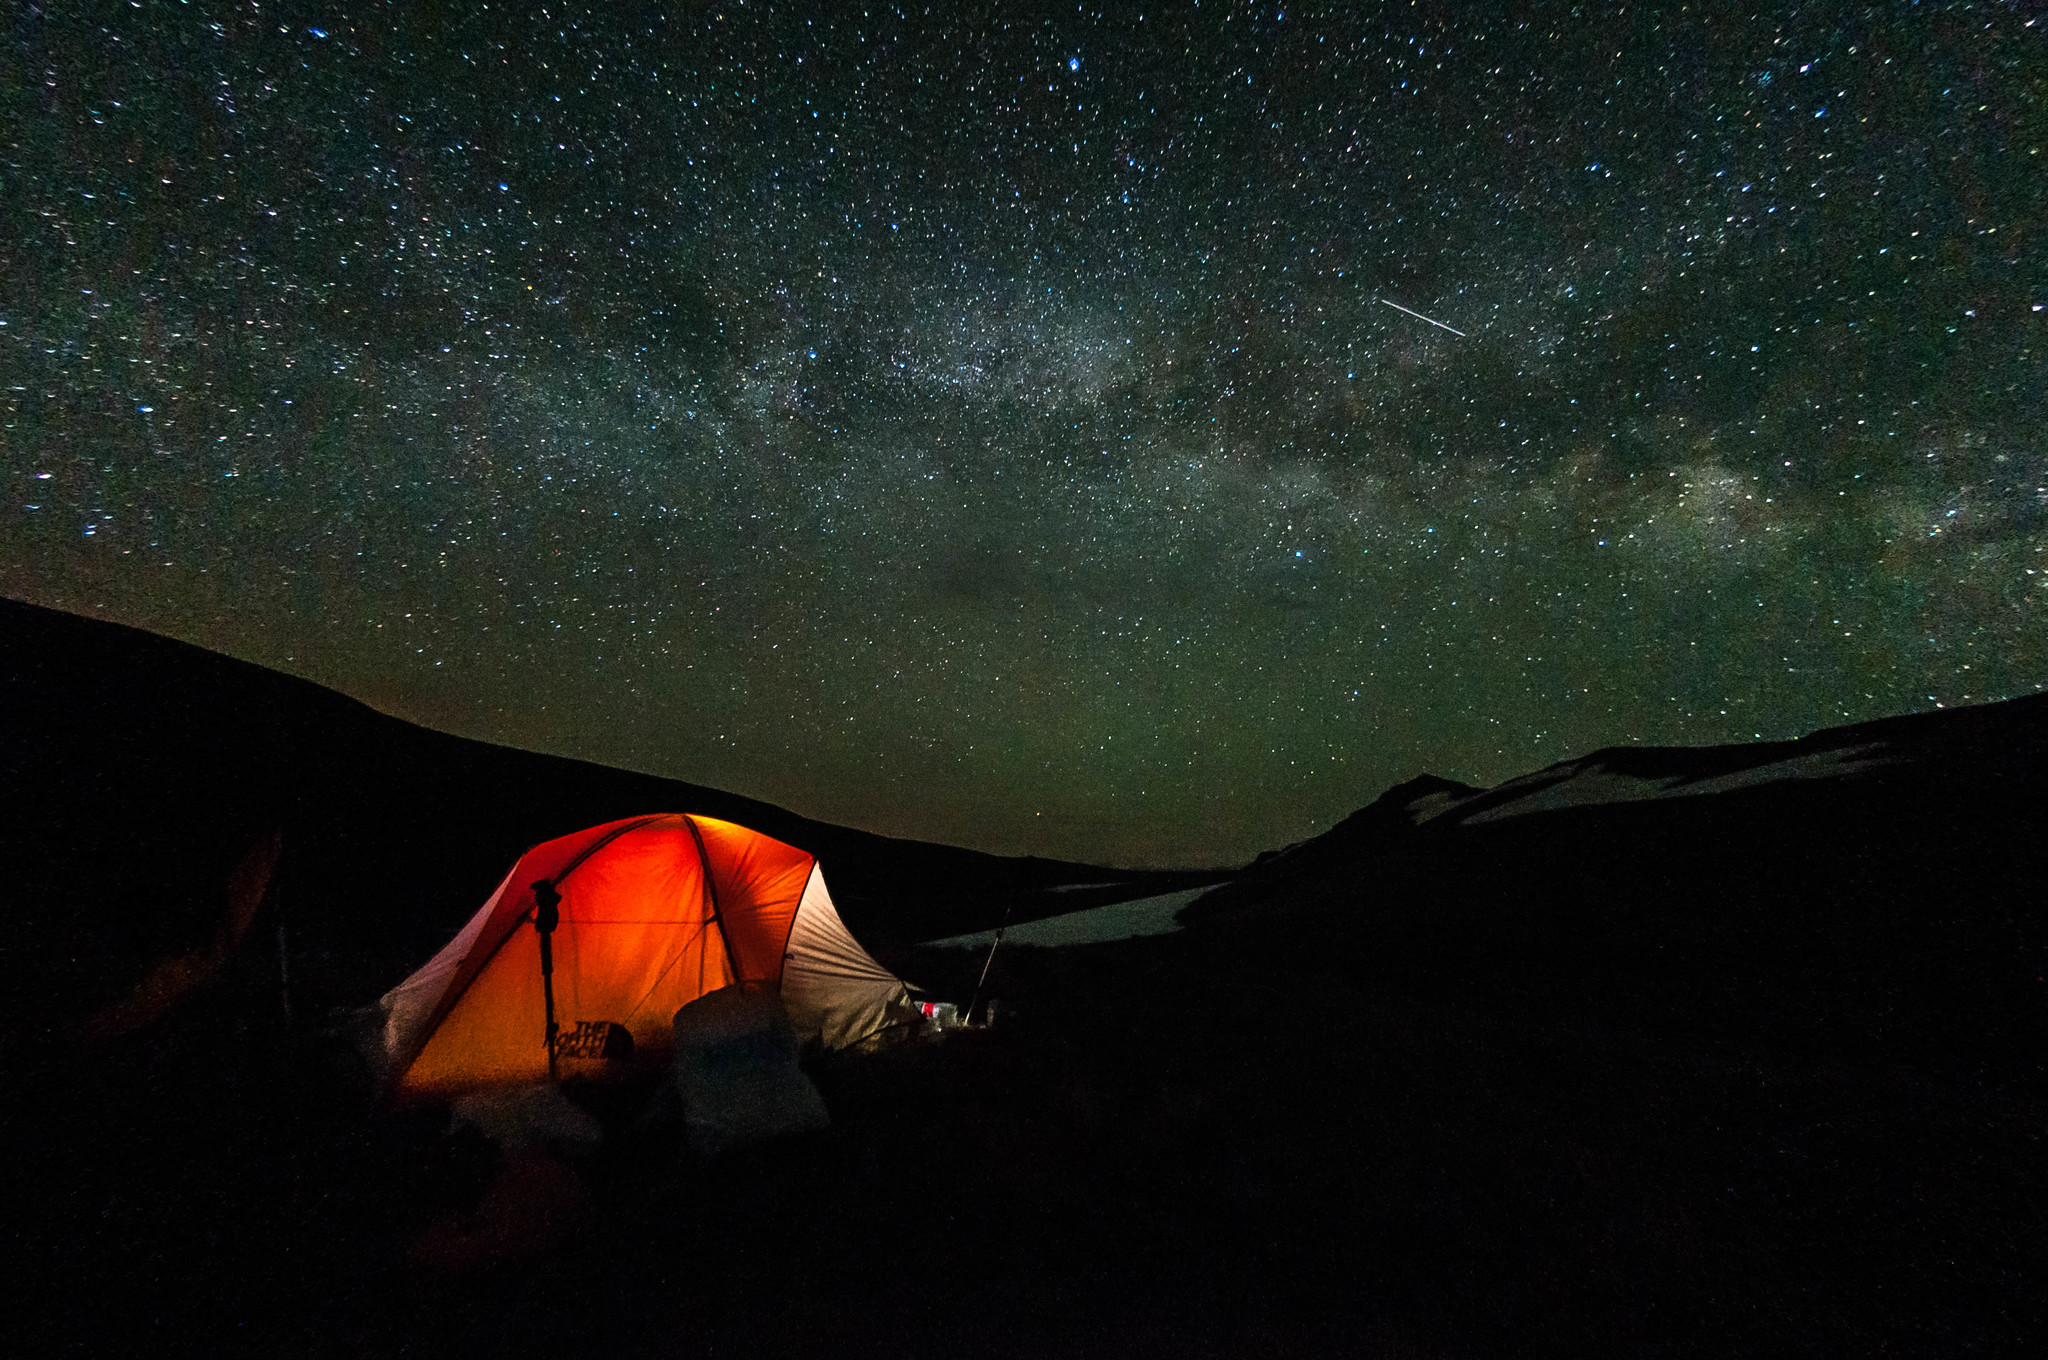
{"x": 1012, "y": 426}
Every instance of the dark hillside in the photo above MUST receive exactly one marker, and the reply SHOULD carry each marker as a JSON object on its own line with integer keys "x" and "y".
{"x": 1879, "y": 883}
{"x": 1720, "y": 1051}
{"x": 138, "y": 771}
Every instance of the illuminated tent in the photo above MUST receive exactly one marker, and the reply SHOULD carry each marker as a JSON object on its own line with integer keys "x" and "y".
{"x": 578, "y": 963}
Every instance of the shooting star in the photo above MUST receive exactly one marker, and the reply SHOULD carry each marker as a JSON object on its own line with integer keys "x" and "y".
{"x": 1420, "y": 317}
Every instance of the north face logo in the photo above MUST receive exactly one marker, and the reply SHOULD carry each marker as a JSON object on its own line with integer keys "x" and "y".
{"x": 595, "y": 1039}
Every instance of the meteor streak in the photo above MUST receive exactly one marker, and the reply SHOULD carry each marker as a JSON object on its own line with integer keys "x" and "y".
{"x": 1420, "y": 317}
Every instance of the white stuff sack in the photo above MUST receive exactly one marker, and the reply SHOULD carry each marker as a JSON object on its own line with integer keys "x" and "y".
{"x": 735, "y": 1072}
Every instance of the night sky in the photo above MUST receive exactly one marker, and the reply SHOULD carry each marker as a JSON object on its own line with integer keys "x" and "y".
{"x": 993, "y": 424}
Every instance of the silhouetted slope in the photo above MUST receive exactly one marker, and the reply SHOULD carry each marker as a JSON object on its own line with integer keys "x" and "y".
{"x": 137, "y": 769}
{"x": 1883, "y": 878}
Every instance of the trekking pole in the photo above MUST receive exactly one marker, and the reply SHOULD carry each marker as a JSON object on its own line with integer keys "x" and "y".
{"x": 968, "y": 1018}
{"x": 546, "y": 916}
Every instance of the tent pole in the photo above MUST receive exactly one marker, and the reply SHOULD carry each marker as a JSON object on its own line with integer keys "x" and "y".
{"x": 546, "y": 916}
{"x": 711, "y": 895}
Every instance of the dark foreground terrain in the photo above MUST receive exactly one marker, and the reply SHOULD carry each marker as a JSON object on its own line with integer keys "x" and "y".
{"x": 1661, "y": 1052}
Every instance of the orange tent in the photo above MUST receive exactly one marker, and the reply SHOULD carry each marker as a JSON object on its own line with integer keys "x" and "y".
{"x": 633, "y": 920}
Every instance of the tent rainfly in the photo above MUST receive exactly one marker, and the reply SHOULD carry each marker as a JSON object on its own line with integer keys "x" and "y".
{"x": 577, "y": 964}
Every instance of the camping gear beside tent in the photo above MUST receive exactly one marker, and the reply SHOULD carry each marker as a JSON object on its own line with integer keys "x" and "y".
{"x": 527, "y": 1119}
{"x": 579, "y": 962}
{"x": 736, "y": 1072}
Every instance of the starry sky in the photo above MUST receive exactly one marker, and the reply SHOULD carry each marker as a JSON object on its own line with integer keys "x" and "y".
{"x": 1000, "y": 424}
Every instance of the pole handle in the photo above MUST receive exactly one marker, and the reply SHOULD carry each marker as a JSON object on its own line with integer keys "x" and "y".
{"x": 547, "y": 915}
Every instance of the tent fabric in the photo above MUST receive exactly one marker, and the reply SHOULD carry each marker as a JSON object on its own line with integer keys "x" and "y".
{"x": 833, "y": 988}
{"x": 409, "y": 1008}
{"x": 643, "y": 932}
